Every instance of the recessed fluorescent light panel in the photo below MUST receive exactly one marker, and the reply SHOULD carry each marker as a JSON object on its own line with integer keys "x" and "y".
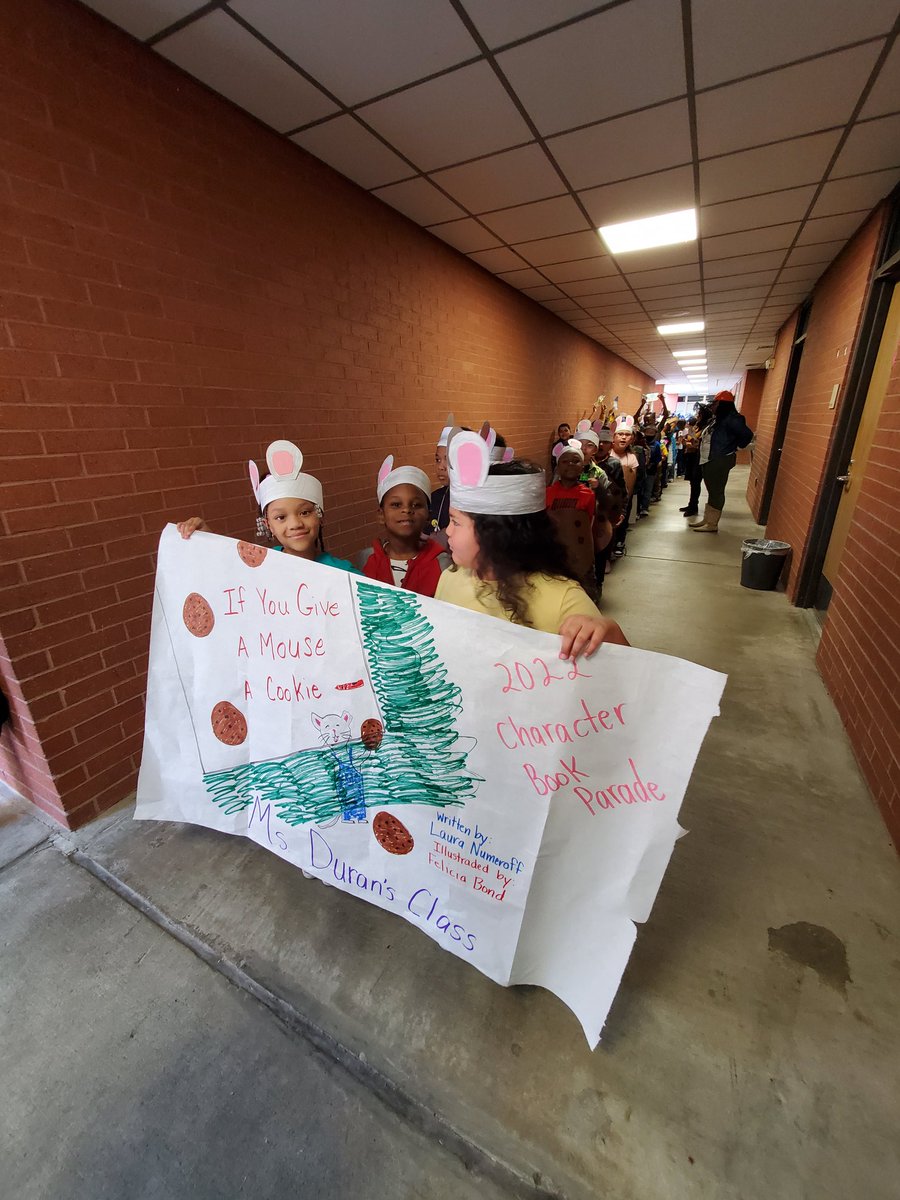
{"x": 683, "y": 327}
{"x": 689, "y": 354}
{"x": 665, "y": 230}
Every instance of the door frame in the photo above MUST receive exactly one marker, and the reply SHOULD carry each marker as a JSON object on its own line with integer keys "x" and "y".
{"x": 859, "y": 375}
{"x": 784, "y": 410}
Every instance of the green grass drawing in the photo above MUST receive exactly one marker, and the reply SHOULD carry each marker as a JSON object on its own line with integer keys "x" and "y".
{"x": 421, "y": 759}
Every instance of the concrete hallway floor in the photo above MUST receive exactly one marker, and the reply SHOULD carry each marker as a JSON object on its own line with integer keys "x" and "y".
{"x": 752, "y": 1051}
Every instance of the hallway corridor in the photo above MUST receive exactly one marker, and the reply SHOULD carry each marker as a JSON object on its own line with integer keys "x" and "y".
{"x": 751, "y": 1054}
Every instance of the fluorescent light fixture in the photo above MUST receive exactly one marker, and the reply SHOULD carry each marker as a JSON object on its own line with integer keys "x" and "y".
{"x": 667, "y": 229}
{"x": 682, "y": 327}
{"x": 689, "y": 354}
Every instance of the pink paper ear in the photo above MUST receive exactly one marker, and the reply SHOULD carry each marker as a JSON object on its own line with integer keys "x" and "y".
{"x": 509, "y": 454}
{"x": 470, "y": 459}
{"x": 582, "y": 426}
{"x": 284, "y": 459}
{"x": 385, "y": 469}
{"x": 253, "y": 471}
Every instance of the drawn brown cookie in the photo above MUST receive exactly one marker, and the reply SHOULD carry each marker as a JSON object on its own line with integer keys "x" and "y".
{"x": 391, "y": 834}
{"x": 228, "y": 723}
{"x": 250, "y": 554}
{"x": 197, "y": 615}
{"x": 371, "y": 732}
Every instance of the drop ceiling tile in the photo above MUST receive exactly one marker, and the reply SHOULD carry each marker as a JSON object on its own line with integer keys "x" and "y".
{"x": 502, "y": 23}
{"x": 567, "y": 248}
{"x": 801, "y": 275}
{"x": 687, "y": 274}
{"x": 885, "y": 95}
{"x": 545, "y": 292}
{"x": 598, "y": 298}
{"x": 680, "y": 255}
{"x": 662, "y": 311}
{"x": 870, "y": 146}
{"x": 543, "y": 218}
{"x": 564, "y": 80}
{"x": 511, "y": 177}
{"x": 143, "y": 18}
{"x": 501, "y": 259}
{"x": 419, "y": 200}
{"x": 830, "y": 229}
{"x": 358, "y": 49}
{"x": 449, "y": 119}
{"x": 860, "y": 191}
{"x": 527, "y": 277}
{"x": 639, "y": 144}
{"x": 668, "y": 291}
{"x": 749, "y": 279}
{"x": 742, "y": 294}
{"x": 594, "y": 268}
{"x": 742, "y": 264}
{"x": 627, "y": 308}
{"x": 823, "y": 252}
{"x": 465, "y": 235}
{"x": 345, "y": 145}
{"x": 756, "y": 212}
{"x": 732, "y": 308}
{"x": 772, "y": 32}
{"x": 782, "y": 165}
{"x": 635, "y": 198}
{"x": 803, "y": 99}
{"x": 751, "y": 241}
{"x": 596, "y": 287}
{"x": 218, "y": 51}
{"x": 561, "y": 307}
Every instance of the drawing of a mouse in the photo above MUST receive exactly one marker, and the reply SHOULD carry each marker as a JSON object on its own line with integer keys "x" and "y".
{"x": 334, "y": 730}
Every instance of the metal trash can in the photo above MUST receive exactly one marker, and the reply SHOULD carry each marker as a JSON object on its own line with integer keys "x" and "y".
{"x": 762, "y": 561}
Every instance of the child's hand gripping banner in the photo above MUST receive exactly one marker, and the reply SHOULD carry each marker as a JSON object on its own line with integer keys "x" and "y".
{"x": 441, "y": 764}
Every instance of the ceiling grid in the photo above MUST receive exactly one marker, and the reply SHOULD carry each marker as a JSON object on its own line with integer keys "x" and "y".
{"x": 513, "y": 130}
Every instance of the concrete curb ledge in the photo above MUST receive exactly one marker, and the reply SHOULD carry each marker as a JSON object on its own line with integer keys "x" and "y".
{"x": 531, "y": 1185}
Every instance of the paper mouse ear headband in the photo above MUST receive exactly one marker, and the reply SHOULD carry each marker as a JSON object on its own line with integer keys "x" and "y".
{"x": 285, "y": 480}
{"x": 473, "y": 490}
{"x": 625, "y": 422}
{"x": 584, "y": 433}
{"x": 572, "y": 446}
{"x": 444, "y": 439}
{"x": 389, "y": 476}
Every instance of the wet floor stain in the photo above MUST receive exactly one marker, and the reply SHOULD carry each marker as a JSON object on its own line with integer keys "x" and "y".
{"x": 815, "y": 947}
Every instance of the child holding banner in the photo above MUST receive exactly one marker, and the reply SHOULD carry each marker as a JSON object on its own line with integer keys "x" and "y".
{"x": 507, "y": 560}
{"x": 291, "y": 505}
{"x": 405, "y": 556}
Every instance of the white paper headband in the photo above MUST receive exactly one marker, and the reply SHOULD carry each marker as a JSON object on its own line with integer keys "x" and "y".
{"x": 570, "y": 447}
{"x": 474, "y": 490}
{"x": 585, "y": 433}
{"x": 285, "y": 480}
{"x": 390, "y": 476}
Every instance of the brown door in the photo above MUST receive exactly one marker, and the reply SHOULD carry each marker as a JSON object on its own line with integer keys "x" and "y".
{"x": 862, "y": 446}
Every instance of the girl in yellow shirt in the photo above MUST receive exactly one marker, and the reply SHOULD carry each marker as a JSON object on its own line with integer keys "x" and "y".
{"x": 507, "y": 560}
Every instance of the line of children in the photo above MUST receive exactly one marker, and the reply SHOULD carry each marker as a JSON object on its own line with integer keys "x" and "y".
{"x": 507, "y": 560}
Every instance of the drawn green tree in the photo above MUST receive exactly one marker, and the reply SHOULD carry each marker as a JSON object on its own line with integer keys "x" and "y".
{"x": 421, "y": 759}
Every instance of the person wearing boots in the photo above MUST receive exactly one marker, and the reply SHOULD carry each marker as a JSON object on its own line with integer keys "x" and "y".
{"x": 723, "y": 435}
{"x": 690, "y": 460}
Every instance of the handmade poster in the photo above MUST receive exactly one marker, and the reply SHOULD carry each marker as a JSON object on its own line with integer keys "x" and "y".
{"x": 444, "y": 765}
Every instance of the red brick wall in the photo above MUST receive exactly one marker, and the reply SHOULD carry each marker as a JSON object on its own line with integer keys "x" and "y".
{"x": 767, "y": 415}
{"x": 859, "y": 654}
{"x": 834, "y": 320}
{"x": 179, "y": 287}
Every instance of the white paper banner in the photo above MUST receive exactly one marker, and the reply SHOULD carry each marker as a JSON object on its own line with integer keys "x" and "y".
{"x": 441, "y": 764}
